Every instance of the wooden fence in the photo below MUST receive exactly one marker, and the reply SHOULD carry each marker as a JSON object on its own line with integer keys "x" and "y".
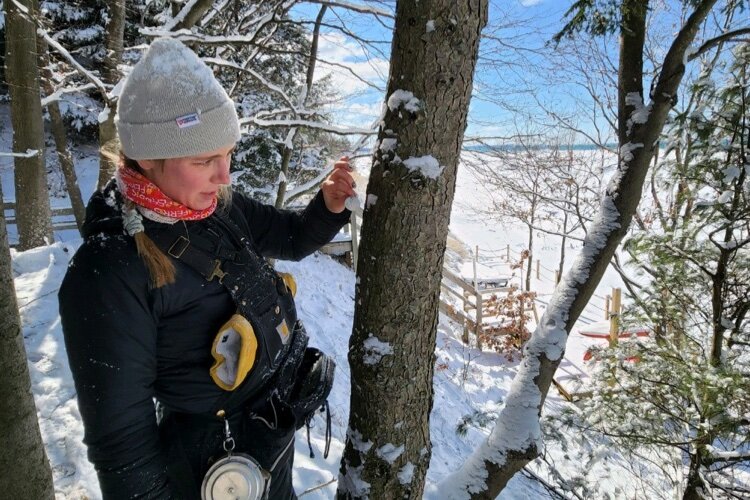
{"x": 474, "y": 300}
{"x": 63, "y": 219}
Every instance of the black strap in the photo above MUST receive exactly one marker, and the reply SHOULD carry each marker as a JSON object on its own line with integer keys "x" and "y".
{"x": 257, "y": 290}
{"x": 309, "y": 424}
{"x": 250, "y": 280}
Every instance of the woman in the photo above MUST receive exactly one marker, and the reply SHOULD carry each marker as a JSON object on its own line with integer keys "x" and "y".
{"x": 169, "y": 300}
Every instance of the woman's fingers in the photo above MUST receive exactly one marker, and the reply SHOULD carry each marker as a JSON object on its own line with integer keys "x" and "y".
{"x": 342, "y": 187}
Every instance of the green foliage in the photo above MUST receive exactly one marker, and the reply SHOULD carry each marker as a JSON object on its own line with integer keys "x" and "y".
{"x": 597, "y": 17}
{"x": 477, "y": 418}
{"x": 640, "y": 402}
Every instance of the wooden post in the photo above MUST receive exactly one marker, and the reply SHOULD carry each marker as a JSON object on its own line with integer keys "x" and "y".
{"x": 476, "y": 257}
{"x": 607, "y": 300}
{"x": 507, "y": 253}
{"x": 614, "y": 317}
{"x": 557, "y": 277}
{"x": 537, "y": 269}
{"x": 465, "y": 336}
{"x": 478, "y": 331}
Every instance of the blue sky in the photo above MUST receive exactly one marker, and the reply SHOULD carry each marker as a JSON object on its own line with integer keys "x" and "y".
{"x": 526, "y": 24}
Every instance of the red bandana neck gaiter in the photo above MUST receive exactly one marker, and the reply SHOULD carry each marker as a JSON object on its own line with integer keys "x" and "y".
{"x": 141, "y": 191}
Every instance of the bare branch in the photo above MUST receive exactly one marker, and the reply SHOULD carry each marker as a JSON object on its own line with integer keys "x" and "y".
{"x": 724, "y": 37}
{"x": 362, "y": 9}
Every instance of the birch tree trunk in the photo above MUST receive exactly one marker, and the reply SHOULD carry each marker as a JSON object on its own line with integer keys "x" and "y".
{"x": 516, "y": 438}
{"x": 409, "y": 196}
{"x": 24, "y": 468}
{"x": 30, "y": 174}
{"x": 109, "y": 145}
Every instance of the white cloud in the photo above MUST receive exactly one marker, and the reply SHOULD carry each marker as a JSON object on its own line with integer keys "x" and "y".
{"x": 360, "y": 115}
{"x": 335, "y": 49}
{"x": 529, "y": 3}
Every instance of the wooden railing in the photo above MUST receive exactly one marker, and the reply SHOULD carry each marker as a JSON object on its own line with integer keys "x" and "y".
{"x": 469, "y": 314}
{"x": 473, "y": 300}
{"x": 62, "y": 218}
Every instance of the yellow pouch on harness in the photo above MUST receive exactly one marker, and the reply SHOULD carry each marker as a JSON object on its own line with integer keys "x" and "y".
{"x": 234, "y": 350}
{"x": 288, "y": 280}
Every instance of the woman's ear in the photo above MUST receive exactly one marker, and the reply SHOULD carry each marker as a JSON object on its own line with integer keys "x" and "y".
{"x": 148, "y": 165}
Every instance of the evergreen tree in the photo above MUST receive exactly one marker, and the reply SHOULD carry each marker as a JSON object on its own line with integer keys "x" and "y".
{"x": 681, "y": 398}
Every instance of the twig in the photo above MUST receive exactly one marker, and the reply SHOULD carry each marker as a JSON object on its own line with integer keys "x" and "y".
{"x": 318, "y": 487}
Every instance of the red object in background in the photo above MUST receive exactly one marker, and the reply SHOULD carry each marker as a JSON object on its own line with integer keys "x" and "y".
{"x": 625, "y": 334}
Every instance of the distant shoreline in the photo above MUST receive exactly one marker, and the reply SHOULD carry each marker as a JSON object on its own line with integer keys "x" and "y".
{"x": 483, "y": 148}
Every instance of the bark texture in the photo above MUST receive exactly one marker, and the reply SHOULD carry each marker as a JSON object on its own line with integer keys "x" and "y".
{"x": 24, "y": 468}
{"x": 30, "y": 174}
{"x": 109, "y": 144}
{"x": 391, "y": 352}
{"x": 489, "y": 470}
{"x": 61, "y": 140}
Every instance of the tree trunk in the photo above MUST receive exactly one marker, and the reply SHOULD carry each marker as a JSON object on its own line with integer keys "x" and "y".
{"x": 411, "y": 187}
{"x": 22, "y": 71}
{"x": 66, "y": 164}
{"x": 109, "y": 145}
{"x": 530, "y": 257}
{"x": 61, "y": 141}
{"x": 191, "y": 15}
{"x": 287, "y": 150}
{"x": 25, "y": 469}
{"x": 516, "y": 438}
{"x": 286, "y": 156}
{"x": 695, "y": 487}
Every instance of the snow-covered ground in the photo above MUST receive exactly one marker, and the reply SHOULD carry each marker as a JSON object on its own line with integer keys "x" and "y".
{"x": 466, "y": 380}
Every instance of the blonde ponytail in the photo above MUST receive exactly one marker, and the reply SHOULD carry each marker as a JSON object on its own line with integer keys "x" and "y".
{"x": 160, "y": 267}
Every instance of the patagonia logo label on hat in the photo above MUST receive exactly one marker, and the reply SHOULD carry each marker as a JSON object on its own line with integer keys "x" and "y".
{"x": 188, "y": 120}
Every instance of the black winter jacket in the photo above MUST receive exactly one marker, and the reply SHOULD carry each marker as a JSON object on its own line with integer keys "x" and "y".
{"x": 128, "y": 344}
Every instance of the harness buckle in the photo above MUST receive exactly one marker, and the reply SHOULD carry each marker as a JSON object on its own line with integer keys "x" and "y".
{"x": 217, "y": 272}
{"x": 178, "y": 247}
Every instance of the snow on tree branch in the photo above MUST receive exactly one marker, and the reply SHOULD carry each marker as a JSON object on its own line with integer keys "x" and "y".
{"x": 30, "y": 153}
{"x": 185, "y": 35}
{"x": 215, "y": 9}
{"x": 260, "y": 78}
{"x": 41, "y": 31}
{"x": 186, "y": 8}
{"x": 95, "y": 81}
{"x": 68, "y": 90}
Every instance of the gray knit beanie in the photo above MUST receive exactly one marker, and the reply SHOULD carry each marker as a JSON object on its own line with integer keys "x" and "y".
{"x": 172, "y": 106}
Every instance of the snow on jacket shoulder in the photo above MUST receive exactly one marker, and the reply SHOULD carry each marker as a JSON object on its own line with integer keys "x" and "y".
{"x": 129, "y": 344}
